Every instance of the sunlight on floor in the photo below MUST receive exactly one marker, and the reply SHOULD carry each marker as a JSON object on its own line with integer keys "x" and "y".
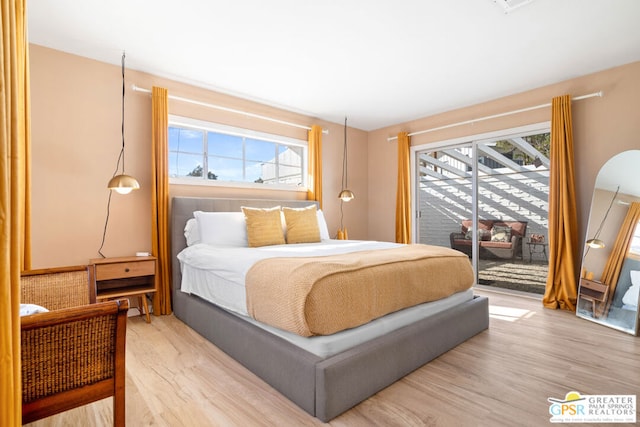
{"x": 509, "y": 314}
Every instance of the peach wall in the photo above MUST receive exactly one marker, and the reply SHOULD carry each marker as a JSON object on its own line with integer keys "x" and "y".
{"x": 76, "y": 140}
{"x": 76, "y": 114}
{"x": 602, "y": 128}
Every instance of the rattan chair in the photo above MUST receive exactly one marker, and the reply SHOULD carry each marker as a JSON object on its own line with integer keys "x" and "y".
{"x": 72, "y": 357}
{"x": 56, "y": 288}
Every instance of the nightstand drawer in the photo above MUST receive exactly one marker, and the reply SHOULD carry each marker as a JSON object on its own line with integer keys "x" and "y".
{"x": 123, "y": 270}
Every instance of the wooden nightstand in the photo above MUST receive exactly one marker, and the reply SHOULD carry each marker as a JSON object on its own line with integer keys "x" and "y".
{"x": 125, "y": 277}
{"x": 596, "y": 293}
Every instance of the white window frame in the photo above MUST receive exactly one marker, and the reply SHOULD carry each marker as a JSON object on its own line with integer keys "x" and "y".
{"x": 248, "y": 133}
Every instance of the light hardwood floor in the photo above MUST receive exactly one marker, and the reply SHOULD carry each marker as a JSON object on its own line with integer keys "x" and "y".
{"x": 501, "y": 377}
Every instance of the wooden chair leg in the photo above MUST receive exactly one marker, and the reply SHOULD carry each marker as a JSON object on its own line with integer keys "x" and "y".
{"x": 143, "y": 298}
{"x": 119, "y": 408}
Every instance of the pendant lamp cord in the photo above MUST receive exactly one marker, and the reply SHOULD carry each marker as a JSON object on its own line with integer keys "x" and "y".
{"x": 595, "y": 236}
{"x": 341, "y": 215}
{"x": 606, "y": 214}
{"x": 344, "y": 158}
{"x": 120, "y": 158}
{"x": 344, "y": 173}
{"x": 106, "y": 222}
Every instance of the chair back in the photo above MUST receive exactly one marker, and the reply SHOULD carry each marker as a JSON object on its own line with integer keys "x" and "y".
{"x": 56, "y": 288}
{"x": 72, "y": 357}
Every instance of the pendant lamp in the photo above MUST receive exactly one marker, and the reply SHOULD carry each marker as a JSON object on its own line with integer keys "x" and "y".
{"x": 596, "y": 243}
{"x": 346, "y": 194}
{"x": 122, "y": 183}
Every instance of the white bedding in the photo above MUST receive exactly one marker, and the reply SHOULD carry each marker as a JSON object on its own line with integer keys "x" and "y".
{"x": 217, "y": 274}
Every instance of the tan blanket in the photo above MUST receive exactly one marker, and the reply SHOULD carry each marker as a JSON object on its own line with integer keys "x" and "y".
{"x": 323, "y": 295}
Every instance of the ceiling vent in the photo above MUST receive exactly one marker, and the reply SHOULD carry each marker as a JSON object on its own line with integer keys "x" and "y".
{"x": 511, "y": 5}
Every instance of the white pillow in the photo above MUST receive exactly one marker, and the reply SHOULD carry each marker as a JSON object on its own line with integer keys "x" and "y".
{"x": 222, "y": 228}
{"x": 322, "y": 225}
{"x": 192, "y": 232}
{"x": 635, "y": 277}
{"x": 29, "y": 309}
{"x": 631, "y": 296}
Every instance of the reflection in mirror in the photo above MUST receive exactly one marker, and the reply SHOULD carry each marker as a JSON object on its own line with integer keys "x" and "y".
{"x": 610, "y": 278}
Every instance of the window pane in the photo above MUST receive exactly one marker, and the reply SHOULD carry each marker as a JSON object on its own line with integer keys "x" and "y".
{"x": 183, "y": 165}
{"x": 290, "y": 156}
{"x": 226, "y": 169}
{"x": 290, "y": 175}
{"x": 185, "y": 140}
{"x": 222, "y": 145}
{"x": 262, "y": 172}
{"x": 260, "y": 151}
{"x": 290, "y": 165}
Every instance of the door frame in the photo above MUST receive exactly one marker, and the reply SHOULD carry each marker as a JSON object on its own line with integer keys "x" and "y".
{"x": 474, "y": 140}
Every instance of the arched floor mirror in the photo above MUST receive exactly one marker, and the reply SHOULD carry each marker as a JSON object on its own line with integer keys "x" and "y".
{"x": 610, "y": 277}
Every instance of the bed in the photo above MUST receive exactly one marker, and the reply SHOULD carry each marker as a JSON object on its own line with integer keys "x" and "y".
{"x": 324, "y": 383}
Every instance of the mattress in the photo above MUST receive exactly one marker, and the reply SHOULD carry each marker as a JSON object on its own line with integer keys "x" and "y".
{"x": 328, "y": 345}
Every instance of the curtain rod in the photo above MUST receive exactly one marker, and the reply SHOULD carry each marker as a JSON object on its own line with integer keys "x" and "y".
{"x": 229, "y": 110}
{"x": 495, "y": 116}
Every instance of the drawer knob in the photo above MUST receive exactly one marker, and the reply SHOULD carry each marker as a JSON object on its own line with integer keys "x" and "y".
{"x": 126, "y": 270}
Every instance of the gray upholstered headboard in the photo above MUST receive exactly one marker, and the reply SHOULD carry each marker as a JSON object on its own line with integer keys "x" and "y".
{"x": 182, "y": 209}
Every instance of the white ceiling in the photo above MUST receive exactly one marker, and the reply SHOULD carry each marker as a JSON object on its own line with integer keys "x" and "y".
{"x": 379, "y": 62}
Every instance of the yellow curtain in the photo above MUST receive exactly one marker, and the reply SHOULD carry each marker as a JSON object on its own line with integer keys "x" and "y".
{"x": 561, "y": 289}
{"x": 161, "y": 245}
{"x": 620, "y": 249}
{"x": 403, "y": 193}
{"x": 314, "y": 175}
{"x": 14, "y": 200}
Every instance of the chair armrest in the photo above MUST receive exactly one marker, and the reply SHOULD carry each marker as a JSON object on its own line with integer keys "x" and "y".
{"x": 73, "y": 314}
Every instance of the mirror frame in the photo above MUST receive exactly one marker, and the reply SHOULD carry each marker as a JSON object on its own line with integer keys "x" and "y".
{"x": 616, "y": 187}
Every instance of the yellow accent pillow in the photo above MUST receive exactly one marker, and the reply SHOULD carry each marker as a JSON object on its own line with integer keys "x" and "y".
{"x": 302, "y": 225}
{"x": 264, "y": 226}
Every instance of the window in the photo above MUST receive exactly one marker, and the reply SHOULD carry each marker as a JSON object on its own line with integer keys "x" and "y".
{"x": 209, "y": 153}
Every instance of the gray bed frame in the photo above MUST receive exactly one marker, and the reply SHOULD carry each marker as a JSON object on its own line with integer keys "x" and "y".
{"x": 323, "y": 387}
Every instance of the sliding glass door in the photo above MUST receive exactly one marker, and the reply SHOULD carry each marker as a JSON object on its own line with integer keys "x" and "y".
{"x": 489, "y": 199}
